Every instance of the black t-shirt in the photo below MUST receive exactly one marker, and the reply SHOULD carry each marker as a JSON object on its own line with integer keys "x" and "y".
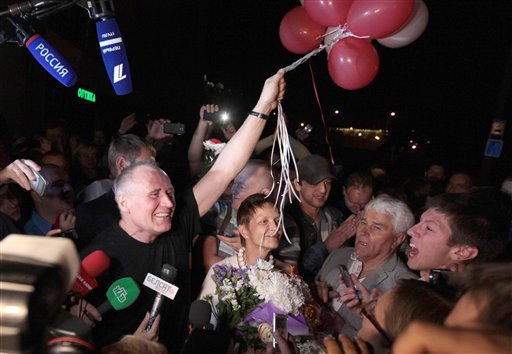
{"x": 135, "y": 259}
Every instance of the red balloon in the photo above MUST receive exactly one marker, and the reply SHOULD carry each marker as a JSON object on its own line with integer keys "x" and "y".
{"x": 299, "y": 33}
{"x": 353, "y": 63}
{"x": 378, "y": 18}
{"x": 328, "y": 12}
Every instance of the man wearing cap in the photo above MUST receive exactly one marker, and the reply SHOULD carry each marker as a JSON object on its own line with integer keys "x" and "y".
{"x": 314, "y": 228}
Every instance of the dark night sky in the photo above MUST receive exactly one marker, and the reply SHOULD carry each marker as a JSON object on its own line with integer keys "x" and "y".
{"x": 446, "y": 86}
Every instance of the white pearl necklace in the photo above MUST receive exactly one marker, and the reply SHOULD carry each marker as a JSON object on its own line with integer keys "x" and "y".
{"x": 241, "y": 258}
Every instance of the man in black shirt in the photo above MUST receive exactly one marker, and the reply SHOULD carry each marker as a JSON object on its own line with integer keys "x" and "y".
{"x": 143, "y": 241}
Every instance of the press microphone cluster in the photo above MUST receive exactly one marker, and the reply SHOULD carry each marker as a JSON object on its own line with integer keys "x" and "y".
{"x": 110, "y": 41}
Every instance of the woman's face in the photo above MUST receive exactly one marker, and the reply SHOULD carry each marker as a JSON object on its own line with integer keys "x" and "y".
{"x": 10, "y": 205}
{"x": 262, "y": 230}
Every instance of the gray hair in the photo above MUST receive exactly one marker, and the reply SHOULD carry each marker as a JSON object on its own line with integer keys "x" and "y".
{"x": 401, "y": 216}
{"x": 125, "y": 178}
{"x": 128, "y": 146}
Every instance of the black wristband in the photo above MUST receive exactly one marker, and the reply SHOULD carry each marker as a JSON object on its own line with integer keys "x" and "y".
{"x": 258, "y": 114}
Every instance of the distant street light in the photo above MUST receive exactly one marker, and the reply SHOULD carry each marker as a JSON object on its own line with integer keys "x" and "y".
{"x": 392, "y": 114}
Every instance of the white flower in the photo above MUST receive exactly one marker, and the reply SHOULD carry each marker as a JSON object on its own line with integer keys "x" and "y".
{"x": 286, "y": 293}
{"x": 211, "y": 146}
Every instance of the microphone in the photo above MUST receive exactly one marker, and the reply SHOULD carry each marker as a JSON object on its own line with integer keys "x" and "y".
{"x": 111, "y": 44}
{"x": 199, "y": 315}
{"x": 167, "y": 274}
{"x": 120, "y": 295}
{"x": 114, "y": 55}
{"x": 91, "y": 267}
{"x": 202, "y": 337}
{"x": 51, "y": 60}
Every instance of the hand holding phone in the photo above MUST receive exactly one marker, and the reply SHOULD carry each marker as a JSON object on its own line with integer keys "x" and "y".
{"x": 38, "y": 185}
{"x": 348, "y": 281}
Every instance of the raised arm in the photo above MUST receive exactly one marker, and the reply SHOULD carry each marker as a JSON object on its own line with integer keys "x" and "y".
{"x": 19, "y": 172}
{"x": 195, "y": 149}
{"x": 240, "y": 146}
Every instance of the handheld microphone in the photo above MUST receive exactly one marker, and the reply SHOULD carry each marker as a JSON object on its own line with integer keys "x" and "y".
{"x": 91, "y": 267}
{"x": 202, "y": 338}
{"x": 51, "y": 60}
{"x": 199, "y": 315}
{"x": 168, "y": 274}
{"x": 120, "y": 295}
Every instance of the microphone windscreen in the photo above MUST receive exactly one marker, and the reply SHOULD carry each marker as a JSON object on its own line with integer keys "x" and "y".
{"x": 114, "y": 55}
{"x": 51, "y": 60}
{"x": 199, "y": 314}
{"x": 96, "y": 263}
{"x": 123, "y": 293}
{"x": 168, "y": 273}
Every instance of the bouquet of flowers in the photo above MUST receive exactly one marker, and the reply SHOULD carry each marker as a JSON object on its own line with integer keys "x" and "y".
{"x": 249, "y": 297}
{"x": 212, "y": 148}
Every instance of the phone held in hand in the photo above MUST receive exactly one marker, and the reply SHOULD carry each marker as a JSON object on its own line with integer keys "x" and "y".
{"x": 39, "y": 185}
{"x": 348, "y": 280}
{"x": 174, "y": 128}
{"x": 222, "y": 117}
{"x": 280, "y": 325}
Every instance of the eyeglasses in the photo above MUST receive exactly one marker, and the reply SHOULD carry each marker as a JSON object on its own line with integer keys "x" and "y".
{"x": 378, "y": 327}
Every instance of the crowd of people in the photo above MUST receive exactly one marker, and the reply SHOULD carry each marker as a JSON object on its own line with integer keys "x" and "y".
{"x": 427, "y": 258}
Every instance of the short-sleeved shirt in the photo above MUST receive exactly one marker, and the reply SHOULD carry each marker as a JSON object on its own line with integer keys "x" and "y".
{"x": 135, "y": 259}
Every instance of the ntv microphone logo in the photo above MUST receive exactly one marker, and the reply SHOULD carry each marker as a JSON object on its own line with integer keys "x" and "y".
{"x": 120, "y": 293}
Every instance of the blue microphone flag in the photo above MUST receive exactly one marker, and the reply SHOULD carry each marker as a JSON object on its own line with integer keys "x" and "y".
{"x": 114, "y": 55}
{"x": 51, "y": 60}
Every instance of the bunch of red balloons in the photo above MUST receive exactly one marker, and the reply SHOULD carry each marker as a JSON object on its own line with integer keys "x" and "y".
{"x": 353, "y": 62}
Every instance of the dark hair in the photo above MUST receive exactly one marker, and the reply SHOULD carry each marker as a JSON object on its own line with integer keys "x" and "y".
{"x": 129, "y": 146}
{"x": 491, "y": 285}
{"x": 479, "y": 219}
{"x": 359, "y": 178}
{"x": 249, "y": 206}
{"x": 414, "y": 300}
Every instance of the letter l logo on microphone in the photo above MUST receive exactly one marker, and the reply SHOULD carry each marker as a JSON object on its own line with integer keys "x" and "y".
{"x": 118, "y": 73}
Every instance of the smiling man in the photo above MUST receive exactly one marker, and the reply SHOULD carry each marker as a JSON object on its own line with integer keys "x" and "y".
{"x": 457, "y": 229}
{"x": 155, "y": 229}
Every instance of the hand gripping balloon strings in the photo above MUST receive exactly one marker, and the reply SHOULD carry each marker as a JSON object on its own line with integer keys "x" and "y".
{"x": 281, "y": 139}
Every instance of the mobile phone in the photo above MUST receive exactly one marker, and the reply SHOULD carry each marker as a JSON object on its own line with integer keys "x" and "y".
{"x": 39, "y": 185}
{"x": 348, "y": 281}
{"x": 280, "y": 325}
{"x": 174, "y": 128}
{"x": 216, "y": 116}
